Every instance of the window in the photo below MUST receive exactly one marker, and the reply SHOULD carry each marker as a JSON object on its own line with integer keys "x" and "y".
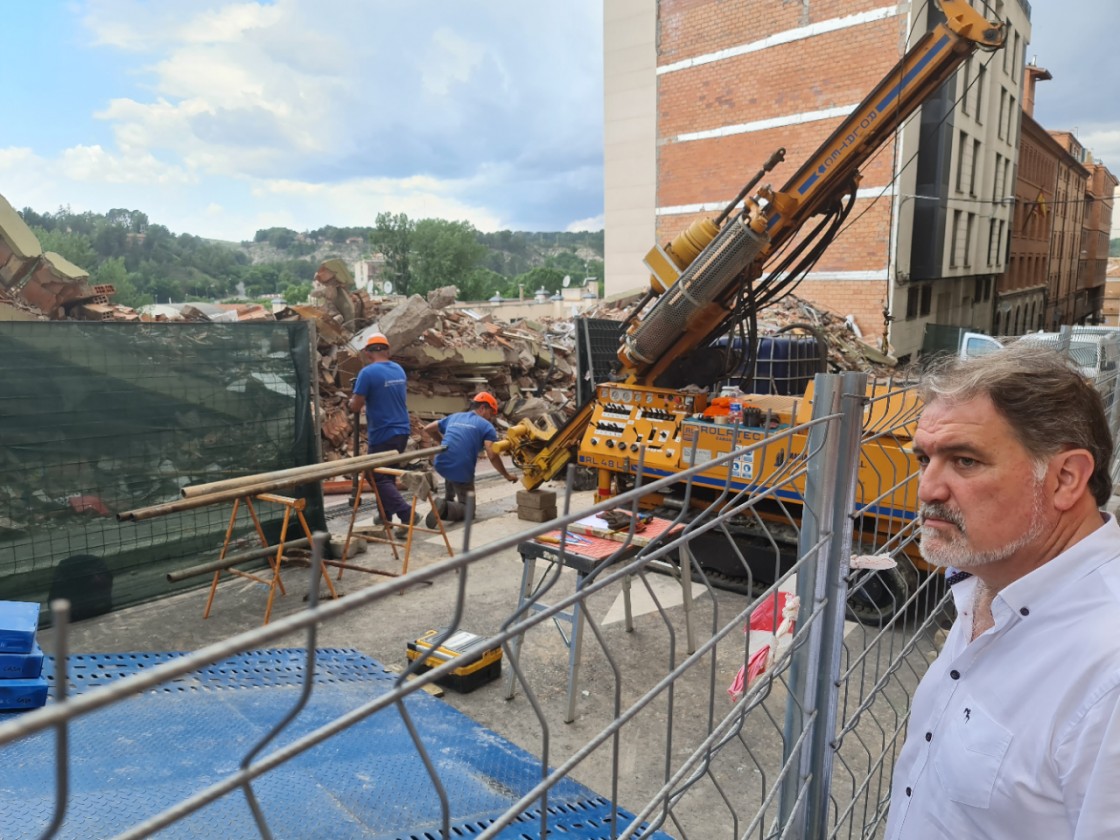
{"x": 981, "y": 77}
{"x": 968, "y": 225}
{"x": 918, "y": 301}
{"x": 1002, "y": 112}
{"x": 975, "y": 166}
{"x": 993, "y": 242}
{"x": 962, "y": 149}
{"x": 957, "y": 242}
{"x": 966, "y": 92}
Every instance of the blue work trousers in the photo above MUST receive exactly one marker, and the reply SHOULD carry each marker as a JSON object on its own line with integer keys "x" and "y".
{"x": 391, "y": 499}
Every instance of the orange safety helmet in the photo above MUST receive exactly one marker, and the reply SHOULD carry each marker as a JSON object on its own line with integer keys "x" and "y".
{"x": 376, "y": 341}
{"x": 488, "y": 398}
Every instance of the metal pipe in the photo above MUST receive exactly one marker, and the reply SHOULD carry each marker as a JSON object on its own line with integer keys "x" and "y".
{"x": 233, "y": 560}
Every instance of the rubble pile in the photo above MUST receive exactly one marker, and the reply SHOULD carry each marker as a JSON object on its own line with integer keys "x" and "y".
{"x": 450, "y": 355}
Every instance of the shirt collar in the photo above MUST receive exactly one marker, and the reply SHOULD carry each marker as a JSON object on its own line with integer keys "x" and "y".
{"x": 1075, "y": 562}
{"x": 1080, "y": 559}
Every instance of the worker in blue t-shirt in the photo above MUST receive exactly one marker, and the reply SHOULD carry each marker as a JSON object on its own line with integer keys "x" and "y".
{"x": 465, "y": 435}
{"x": 381, "y": 389}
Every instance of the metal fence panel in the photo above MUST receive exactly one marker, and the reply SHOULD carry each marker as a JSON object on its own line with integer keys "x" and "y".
{"x": 801, "y": 746}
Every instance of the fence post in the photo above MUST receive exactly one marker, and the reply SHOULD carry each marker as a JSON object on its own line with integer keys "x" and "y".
{"x": 821, "y": 449}
{"x": 815, "y": 669}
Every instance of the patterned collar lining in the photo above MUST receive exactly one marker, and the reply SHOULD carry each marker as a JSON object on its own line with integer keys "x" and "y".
{"x": 956, "y": 577}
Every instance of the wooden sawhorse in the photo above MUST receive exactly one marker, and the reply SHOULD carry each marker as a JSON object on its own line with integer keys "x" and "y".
{"x": 425, "y": 491}
{"x": 275, "y": 582}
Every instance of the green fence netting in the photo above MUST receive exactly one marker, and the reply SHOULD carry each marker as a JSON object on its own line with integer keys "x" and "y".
{"x": 100, "y": 418}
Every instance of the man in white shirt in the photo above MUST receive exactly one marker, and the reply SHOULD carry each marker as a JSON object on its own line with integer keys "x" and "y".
{"x": 1014, "y": 731}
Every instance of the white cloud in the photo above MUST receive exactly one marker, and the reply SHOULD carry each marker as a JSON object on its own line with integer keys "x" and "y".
{"x": 450, "y": 58}
{"x": 94, "y": 164}
{"x": 593, "y": 223}
{"x": 1104, "y": 142}
{"x": 241, "y": 115}
{"x": 357, "y": 202}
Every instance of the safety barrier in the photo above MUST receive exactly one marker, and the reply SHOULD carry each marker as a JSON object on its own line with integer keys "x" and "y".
{"x": 783, "y": 721}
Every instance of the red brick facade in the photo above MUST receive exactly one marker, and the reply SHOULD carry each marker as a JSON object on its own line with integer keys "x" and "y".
{"x": 785, "y": 63}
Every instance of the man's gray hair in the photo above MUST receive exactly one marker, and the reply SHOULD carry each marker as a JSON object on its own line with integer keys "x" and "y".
{"x": 1048, "y": 403}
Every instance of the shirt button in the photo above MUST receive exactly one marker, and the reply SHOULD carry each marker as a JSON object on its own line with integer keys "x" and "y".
{"x": 955, "y": 674}
{"x": 929, "y": 736}
{"x": 1024, "y": 611}
{"x": 908, "y": 791}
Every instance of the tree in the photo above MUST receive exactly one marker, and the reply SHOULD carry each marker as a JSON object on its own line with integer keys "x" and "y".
{"x": 392, "y": 236}
{"x": 568, "y": 263}
{"x": 75, "y": 247}
{"x": 443, "y": 254}
{"x": 481, "y": 284}
{"x": 548, "y": 279}
{"x": 297, "y": 293}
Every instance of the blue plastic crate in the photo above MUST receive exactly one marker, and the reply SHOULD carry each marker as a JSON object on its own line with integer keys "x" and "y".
{"x": 21, "y": 666}
{"x": 23, "y": 694}
{"x": 18, "y": 622}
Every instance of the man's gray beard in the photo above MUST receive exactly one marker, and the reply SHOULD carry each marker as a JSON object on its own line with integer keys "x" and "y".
{"x": 954, "y": 550}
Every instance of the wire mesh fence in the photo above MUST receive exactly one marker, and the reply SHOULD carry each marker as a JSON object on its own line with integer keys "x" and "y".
{"x": 766, "y": 704}
{"x": 100, "y": 418}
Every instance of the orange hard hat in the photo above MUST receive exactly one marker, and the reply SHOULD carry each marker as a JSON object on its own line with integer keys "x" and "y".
{"x": 486, "y": 397}
{"x": 376, "y": 340}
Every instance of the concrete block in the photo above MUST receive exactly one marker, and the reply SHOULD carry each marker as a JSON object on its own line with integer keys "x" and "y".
{"x": 536, "y": 498}
{"x": 533, "y": 514}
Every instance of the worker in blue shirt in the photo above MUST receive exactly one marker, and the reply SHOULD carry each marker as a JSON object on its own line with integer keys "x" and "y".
{"x": 381, "y": 388}
{"x": 465, "y": 435}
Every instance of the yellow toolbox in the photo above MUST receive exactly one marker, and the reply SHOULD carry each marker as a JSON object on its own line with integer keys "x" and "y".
{"x": 477, "y": 664}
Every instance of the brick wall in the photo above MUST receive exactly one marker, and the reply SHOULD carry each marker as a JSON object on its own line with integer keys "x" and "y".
{"x": 799, "y": 71}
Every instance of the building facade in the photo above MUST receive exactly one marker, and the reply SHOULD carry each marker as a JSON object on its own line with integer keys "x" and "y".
{"x": 737, "y": 79}
{"x": 1022, "y": 291}
{"x": 1069, "y": 300}
{"x": 1099, "y": 204}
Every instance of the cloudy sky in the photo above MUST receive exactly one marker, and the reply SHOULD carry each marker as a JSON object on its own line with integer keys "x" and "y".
{"x": 219, "y": 117}
{"x": 1077, "y": 42}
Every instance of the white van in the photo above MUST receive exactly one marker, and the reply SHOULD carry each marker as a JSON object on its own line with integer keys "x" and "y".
{"x": 1095, "y": 350}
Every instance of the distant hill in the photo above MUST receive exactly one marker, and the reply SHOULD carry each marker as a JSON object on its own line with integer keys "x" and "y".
{"x": 148, "y": 263}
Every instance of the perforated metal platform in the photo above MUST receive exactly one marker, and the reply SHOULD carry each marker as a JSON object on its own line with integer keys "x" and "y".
{"x": 134, "y": 759}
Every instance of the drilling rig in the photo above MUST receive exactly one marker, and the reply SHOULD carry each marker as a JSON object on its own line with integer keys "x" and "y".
{"x": 707, "y": 287}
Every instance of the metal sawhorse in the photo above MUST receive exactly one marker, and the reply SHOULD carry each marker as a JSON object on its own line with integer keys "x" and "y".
{"x": 598, "y": 549}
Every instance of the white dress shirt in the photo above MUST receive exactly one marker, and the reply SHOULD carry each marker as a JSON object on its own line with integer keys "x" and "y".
{"x": 1017, "y": 733}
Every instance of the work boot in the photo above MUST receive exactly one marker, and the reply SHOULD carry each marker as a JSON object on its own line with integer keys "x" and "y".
{"x": 407, "y": 519}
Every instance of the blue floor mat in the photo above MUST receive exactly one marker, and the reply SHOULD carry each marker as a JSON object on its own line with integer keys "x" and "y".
{"x": 134, "y": 759}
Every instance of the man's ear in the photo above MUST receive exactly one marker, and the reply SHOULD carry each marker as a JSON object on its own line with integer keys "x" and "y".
{"x": 1072, "y": 468}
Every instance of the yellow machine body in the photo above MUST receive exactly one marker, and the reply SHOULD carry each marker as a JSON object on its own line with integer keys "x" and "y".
{"x": 658, "y": 432}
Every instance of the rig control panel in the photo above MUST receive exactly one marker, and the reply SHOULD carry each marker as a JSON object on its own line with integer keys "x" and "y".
{"x": 628, "y": 417}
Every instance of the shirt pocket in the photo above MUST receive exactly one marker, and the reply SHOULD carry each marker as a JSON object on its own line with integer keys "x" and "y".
{"x": 969, "y": 753}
